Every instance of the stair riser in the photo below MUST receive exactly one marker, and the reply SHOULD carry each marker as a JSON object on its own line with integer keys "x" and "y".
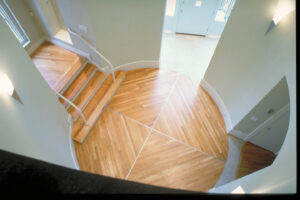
{"x": 90, "y": 98}
{"x": 92, "y": 125}
{"x": 81, "y": 89}
{"x": 80, "y": 134}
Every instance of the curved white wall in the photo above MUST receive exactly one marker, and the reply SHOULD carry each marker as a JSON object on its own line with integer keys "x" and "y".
{"x": 38, "y": 128}
{"x": 246, "y": 65}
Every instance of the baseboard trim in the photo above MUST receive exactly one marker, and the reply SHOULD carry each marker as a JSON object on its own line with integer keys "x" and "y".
{"x": 138, "y": 65}
{"x": 268, "y": 121}
{"x": 216, "y": 97}
{"x": 238, "y": 133}
{"x": 33, "y": 47}
{"x": 67, "y": 47}
{"x": 71, "y": 142}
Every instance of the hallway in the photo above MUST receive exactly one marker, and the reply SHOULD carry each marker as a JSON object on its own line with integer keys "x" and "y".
{"x": 187, "y": 54}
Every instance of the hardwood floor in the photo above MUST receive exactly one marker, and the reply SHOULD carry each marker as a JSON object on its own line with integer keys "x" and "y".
{"x": 56, "y": 64}
{"x": 191, "y": 116}
{"x": 187, "y": 151}
{"x": 78, "y": 83}
{"x": 165, "y": 162}
{"x": 112, "y": 146}
{"x": 159, "y": 128}
{"x": 143, "y": 93}
{"x": 253, "y": 158}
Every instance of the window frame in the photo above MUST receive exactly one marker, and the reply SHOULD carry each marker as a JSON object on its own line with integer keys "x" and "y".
{"x": 14, "y": 24}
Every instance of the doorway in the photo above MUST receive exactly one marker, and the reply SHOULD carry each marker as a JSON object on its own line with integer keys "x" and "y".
{"x": 191, "y": 32}
{"x": 53, "y": 21}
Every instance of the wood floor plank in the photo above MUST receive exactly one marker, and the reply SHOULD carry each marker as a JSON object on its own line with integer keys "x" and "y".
{"x": 143, "y": 93}
{"x": 253, "y": 158}
{"x": 54, "y": 63}
{"x": 184, "y": 162}
{"x": 78, "y": 83}
{"x": 67, "y": 77}
{"x": 82, "y": 133}
{"x": 191, "y": 116}
{"x": 85, "y": 95}
{"x": 112, "y": 146}
{"x": 165, "y": 162}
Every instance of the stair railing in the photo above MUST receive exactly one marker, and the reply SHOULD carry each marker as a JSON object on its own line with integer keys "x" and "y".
{"x": 96, "y": 51}
{"x": 70, "y": 102}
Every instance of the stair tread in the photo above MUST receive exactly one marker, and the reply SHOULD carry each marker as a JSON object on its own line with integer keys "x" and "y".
{"x": 78, "y": 83}
{"x": 95, "y": 107}
{"x": 93, "y": 103}
{"x": 65, "y": 78}
{"x": 86, "y": 93}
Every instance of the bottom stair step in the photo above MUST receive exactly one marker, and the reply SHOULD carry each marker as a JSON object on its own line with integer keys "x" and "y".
{"x": 80, "y": 131}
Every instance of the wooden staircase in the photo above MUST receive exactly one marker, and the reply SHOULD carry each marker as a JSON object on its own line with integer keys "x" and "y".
{"x": 73, "y": 77}
{"x": 90, "y": 90}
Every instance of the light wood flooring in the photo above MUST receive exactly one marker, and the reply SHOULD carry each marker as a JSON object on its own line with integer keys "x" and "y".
{"x": 56, "y": 64}
{"x": 253, "y": 158}
{"x": 161, "y": 129}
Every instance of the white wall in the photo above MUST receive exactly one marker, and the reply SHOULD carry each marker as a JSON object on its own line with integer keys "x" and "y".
{"x": 78, "y": 14}
{"x": 127, "y": 31}
{"x": 245, "y": 67}
{"x": 29, "y": 23}
{"x": 38, "y": 128}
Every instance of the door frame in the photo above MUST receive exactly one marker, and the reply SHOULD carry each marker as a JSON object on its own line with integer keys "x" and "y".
{"x": 177, "y": 11}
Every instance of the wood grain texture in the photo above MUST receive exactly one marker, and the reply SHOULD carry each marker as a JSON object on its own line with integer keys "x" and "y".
{"x": 112, "y": 146}
{"x": 83, "y": 98}
{"x": 165, "y": 162}
{"x": 189, "y": 156}
{"x": 97, "y": 108}
{"x": 56, "y": 65}
{"x": 192, "y": 117}
{"x": 143, "y": 93}
{"x": 78, "y": 83}
{"x": 253, "y": 158}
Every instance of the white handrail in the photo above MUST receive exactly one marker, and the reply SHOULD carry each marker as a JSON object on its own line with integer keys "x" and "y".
{"x": 67, "y": 100}
{"x": 92, "y": 47}
{"x": 95, "y": 49}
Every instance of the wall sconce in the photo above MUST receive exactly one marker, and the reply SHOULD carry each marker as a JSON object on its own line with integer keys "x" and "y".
{"x": 284, "y": 7}
{"x": 6, "y": 86}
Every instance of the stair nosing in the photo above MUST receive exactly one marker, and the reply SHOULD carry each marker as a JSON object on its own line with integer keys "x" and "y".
{"x": 91, "y": 97}
{"x": 82, "y": 88}
{"x": 106, "y": 104}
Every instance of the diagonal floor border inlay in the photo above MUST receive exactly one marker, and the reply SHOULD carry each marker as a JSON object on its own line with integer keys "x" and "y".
{"x": 156, "y": 101}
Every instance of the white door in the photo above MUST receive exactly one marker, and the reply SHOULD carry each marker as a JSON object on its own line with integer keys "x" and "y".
{"x": 195, "y": 16}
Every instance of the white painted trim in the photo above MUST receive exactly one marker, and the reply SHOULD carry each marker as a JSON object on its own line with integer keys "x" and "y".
{"x": 238, "y": 133}
{"x": 267, "y": 122}
{"x": 71, "y": 142}
{"x": 67, "y": 46}
{"x": 218, "y": 100}
{"x": 33, "y": 46}
{"x": 138, "y": 65}
{"x": 213, "y": 36}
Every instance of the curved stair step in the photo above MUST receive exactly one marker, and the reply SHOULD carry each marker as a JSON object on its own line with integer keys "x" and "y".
{"x": 77, "y": 85}
{"x": 96, "y": 105}
{"x": 87, "y": 93}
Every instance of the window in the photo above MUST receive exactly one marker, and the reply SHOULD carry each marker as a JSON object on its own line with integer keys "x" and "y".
{"x": 13, "y": 23}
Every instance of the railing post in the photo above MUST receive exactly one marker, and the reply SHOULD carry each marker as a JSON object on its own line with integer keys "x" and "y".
{"x": 113, "y": 75}
{"x": 67, "y": 100}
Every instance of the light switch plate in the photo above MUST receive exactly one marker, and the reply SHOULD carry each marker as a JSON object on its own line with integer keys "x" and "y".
{"x": 82, "y": 27}
{"x": 253, "y": 118}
